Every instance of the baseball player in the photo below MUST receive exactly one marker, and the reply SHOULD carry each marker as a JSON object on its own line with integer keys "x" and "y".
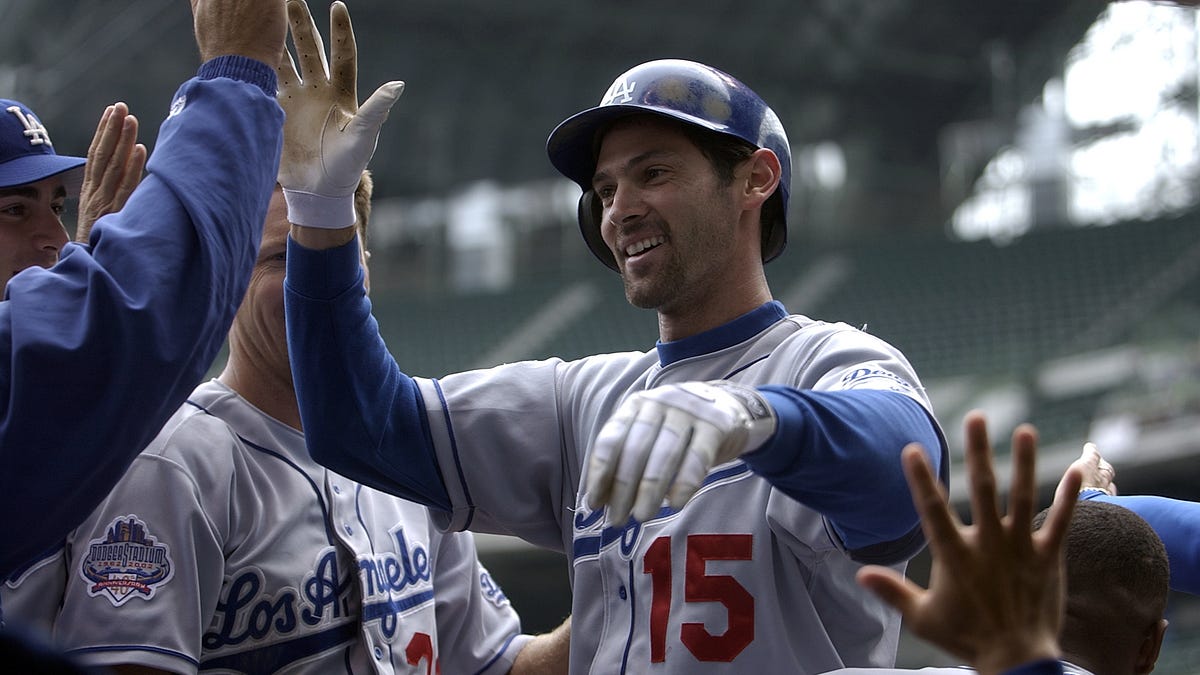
{"x": 98, "y": 350}
{"x": 757, "y": 450}
{"x": 226, "y": 548}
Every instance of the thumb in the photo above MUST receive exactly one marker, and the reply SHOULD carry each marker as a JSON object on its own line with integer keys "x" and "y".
{"x": 372, "y": 113}
{"x": 891, "y": 587}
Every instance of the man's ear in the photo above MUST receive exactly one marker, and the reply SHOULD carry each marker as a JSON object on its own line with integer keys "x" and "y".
{"x": 762, "y": 177}
{"x": 1148, "y": 651}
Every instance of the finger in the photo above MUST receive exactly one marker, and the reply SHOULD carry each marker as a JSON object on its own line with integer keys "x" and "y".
{"x": 938, "y": 521}
{"x": 1107, "y": 471}
{"x": 286, "y": 72}
{"x": 1068, "y": 486}
{"x": 107, "y": 137}
{"x": 662, "y": 463}
{"x": 343, "y": 73}
{"x": 602, "y": 462}
{"x": 631, "y": 465}
{"x": 132, "y": 175}
{"x": 697, "y": 459}
{"x": 375, "y": 110}
{"x": 113, "y": 174}
{"x": 1054, "y": 530}
{"x": 1022, "y": 494}
{"x": 310, "y": 51}
{"x": 891, "y": 587}
{"x": 981, "y": 477}
{"x": 93, "y": 148}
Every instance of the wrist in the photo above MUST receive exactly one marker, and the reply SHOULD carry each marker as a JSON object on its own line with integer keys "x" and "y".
{"x": 761, "y": 420}
{"x": 1017, "y": 659}
{"x": 318, "y": 211}
{"x": 241, "y": 68}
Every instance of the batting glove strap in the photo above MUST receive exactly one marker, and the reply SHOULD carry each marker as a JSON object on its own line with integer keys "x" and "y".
{"x": 756, "y": 415}
{"x": 312, "y": 210}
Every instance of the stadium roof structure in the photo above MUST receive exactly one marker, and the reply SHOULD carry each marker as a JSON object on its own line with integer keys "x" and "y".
{"x": 487, "y": 81}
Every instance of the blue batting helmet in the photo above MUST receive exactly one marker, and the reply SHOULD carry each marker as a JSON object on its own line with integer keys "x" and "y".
{"x": 690, "y": 92}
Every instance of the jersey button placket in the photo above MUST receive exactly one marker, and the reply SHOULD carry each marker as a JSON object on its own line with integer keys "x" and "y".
{"x": 342, "y": 505}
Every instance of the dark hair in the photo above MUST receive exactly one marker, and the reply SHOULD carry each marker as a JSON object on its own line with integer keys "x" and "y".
{"x": 1117, "y": 575}
{"x": 726, "y": 153}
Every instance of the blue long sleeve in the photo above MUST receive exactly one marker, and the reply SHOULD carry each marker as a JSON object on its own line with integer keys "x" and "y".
{"x": 366, "y": 408}
{"x": 1177, "y": 523}
{"x": 100, "y": 349}
{"x": 838, "y": 452}
{"x": 1043, "y": 667}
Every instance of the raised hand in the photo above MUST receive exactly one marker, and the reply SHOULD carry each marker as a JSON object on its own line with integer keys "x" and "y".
{"x": 661, "y": 443}
{"x": 327, "y": 138}
{"x": 996, "y": 588}
{"x": 115, "y": 162}
{"x": 1097, "y": 473}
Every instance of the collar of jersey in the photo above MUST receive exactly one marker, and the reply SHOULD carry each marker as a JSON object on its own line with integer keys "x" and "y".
{"x": 739, "y": 330}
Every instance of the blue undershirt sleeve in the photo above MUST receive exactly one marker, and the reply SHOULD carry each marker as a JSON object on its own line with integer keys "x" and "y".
{"x": 838, "y": 452}
{"x": 362, "y": 416}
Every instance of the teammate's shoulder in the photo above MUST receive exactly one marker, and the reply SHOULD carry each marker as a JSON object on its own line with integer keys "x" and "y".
{"x": 800, "y": 328}
{"x": 191, "y": 433}
{"x": 817, "y": 329}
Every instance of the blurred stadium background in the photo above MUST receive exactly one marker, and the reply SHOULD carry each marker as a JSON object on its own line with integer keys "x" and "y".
{"x": 1006, "y": 190}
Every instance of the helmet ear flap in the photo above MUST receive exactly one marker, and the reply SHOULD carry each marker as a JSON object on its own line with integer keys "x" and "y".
{"x": 590, "y": 216}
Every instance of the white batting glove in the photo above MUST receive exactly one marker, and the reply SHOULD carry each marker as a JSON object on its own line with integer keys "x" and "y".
{"x": 662, "y": 442}
{"x": 327, "y": 138}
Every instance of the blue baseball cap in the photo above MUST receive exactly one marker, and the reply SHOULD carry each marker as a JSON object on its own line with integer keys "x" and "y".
{"x": 26, "y": 153}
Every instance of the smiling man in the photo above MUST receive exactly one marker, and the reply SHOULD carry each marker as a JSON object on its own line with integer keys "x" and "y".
{"x": 758, "y": 451}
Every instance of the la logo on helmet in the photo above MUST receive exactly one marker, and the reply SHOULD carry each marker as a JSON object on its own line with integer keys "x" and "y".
{"x": 35, "y": 131}
{"x": 622, "y": 88}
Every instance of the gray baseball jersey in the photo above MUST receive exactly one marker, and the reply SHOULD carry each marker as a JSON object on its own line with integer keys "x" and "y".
{"x": 744, "y": 579}
{"x": 226, "y": 549}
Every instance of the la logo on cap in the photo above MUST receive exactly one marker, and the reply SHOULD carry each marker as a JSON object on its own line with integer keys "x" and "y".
{"x": 35, "y": 131}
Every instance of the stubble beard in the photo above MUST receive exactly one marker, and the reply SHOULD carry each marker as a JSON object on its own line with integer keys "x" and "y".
{"x": 658, "y": 289}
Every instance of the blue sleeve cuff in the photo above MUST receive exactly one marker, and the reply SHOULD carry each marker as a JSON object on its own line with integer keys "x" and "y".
{"x": 241, "y": 68}
{"x": 323, "y": 274}
{"x": 1043, "y": 667}
{"x": 833, "y": 447}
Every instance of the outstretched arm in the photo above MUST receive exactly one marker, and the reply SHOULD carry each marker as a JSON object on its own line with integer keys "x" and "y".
{"x": 351, "y": 393}
{"x": 114, "y": 338}
{"x": 815, "y": 446}
{"x": 996, "y": 588}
